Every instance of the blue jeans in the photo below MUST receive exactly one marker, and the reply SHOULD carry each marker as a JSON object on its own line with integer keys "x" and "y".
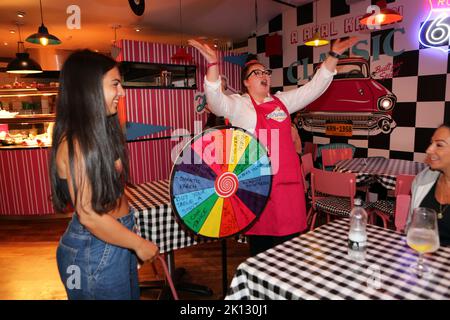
{"x": 93, "y": 269}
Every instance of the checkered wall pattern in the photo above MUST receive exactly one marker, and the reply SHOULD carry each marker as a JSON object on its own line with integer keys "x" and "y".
{"x": 421, "y": 77}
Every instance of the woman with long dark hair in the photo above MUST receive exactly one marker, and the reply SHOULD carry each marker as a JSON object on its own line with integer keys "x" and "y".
{"x": 89, "y": 169}
{"x": 268, "y": 116}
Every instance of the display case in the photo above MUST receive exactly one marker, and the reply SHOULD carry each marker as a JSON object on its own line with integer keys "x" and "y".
{"x": 27, "y": 117}
{"x": 26, "y": 124}
{"x": 155, "y": 75}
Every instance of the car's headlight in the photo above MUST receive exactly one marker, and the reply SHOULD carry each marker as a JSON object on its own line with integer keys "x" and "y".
{"x": 386, "y": 103}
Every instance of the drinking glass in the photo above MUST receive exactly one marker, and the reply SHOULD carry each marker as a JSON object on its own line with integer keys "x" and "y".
{"x": 423, "y": 236}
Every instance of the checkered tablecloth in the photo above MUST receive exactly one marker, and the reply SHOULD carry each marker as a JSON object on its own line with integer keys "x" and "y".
{"x": 155, "y": 220}
{"x": 154, "y": 217}
{"x": 383, "y": 170}
{"x": 316, "y": 266}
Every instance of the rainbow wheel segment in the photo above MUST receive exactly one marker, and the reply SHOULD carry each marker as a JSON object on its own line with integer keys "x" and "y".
{"x": 221, "y": 182}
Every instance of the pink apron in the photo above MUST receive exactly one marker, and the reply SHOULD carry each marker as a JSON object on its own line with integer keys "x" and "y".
{"x": 285, "y": 212}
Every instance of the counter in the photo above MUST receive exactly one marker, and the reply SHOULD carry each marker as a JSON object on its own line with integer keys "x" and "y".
{"x": 24, "y": 182}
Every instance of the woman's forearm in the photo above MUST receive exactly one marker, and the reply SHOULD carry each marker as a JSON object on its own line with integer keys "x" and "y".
{"x": 108, "y": 229}
{"x": 330, "y": 63}
{"x": 213, "y": 73}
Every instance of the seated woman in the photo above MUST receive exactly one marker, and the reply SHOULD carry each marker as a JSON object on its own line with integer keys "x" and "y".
{"x": 431, "y": 187}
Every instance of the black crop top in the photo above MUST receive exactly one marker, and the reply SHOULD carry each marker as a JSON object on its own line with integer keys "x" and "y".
{"x": 64, "y": 188}
{"x": 443, "y": 224}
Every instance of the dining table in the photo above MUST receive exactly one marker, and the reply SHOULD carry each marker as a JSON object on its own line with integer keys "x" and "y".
{"x": 155, "y": 222}
{"x": 379, "y": 169}
{"x": 316, "y": 265}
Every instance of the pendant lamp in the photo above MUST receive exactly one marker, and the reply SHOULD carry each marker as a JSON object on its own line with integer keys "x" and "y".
{"x": 115, "y": 50}
{"x": 22, "y": 64}
{"x": 316, "y": 40}
{"x": 383, "y": 17}
{"x": 43, "y": 37}
{"x": 181, "y": 54}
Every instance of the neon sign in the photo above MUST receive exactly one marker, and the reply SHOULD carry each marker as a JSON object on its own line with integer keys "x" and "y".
{"x": 435, "y": 33}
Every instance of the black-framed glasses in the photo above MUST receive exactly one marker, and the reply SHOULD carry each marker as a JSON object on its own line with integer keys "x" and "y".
{"x": 259, "y": 73}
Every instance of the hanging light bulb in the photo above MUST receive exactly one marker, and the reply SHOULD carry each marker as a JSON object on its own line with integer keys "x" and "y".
{"x": 316, "y": 40}
{"x": 43, "y": 37}
{"x": 43, "y": 40}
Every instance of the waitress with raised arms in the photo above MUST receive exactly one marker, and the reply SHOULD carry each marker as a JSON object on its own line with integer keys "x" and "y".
{"x": 262, "y": 113}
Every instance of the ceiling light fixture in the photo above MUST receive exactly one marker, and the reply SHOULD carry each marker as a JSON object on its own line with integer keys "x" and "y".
{"x": 316, "y": 40}
{"x": 43, "y": 37}
{"x": 22, "y": 64}
{"x": 181, "y": 54}
{"x": 115, "y": 50}
{"x": 383, "y": 17}
{"x": 20, "y": 14}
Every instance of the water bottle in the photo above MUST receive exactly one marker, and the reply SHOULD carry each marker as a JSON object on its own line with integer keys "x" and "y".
{"x": 357, "y": 235}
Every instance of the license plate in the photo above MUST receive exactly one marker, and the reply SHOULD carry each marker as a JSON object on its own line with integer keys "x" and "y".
{"x": 339, "y": 129}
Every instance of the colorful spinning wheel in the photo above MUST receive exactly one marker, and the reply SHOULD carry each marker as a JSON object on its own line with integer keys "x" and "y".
{"x": 221, "y": 182}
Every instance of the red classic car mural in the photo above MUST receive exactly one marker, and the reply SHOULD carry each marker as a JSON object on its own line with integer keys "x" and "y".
{"x": 354, "y": 99}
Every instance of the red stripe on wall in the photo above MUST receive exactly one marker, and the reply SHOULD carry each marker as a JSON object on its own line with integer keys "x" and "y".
{"x": 175, "y": 108}
{"x": 25, "y": 185}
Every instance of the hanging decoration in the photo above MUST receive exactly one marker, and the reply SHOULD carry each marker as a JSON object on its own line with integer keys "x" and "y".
{"x": 136, "y": 130}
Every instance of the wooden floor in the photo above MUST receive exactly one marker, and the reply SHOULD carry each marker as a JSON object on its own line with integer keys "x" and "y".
{"x": 28, "y": 262}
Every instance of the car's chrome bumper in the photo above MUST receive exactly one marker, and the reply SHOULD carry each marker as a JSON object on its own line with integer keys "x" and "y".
{"x": 364, "y": 123}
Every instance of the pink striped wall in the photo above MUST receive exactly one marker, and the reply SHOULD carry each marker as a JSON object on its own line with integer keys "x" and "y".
{"x": 148, "y": 52}
{"x": 24, "y": 182}
{"x": 150, "y": 160}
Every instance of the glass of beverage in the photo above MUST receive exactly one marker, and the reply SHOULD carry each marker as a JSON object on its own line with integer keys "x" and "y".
{"x": 423, "y": 237}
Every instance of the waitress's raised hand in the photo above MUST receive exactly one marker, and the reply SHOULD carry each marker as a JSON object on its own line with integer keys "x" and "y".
{"x": 206, "y": 51}
{"x": 339, "y": 46}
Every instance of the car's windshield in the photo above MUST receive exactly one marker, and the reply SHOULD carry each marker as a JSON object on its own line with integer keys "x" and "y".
{"x": 353, "y": 70}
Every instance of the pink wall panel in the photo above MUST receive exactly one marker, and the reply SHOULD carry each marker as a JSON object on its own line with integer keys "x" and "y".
{"x": 175, "y": 108}
{"x": 24, "y": 181}
{"x": 24, "y": 184}
{"x": 151, "y": 160}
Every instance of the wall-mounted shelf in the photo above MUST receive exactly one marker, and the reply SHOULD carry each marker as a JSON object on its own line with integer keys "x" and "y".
{"x": 28, "y": 92}
{"x": 29, "y": 118}
{"x": 158, "y": 76}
